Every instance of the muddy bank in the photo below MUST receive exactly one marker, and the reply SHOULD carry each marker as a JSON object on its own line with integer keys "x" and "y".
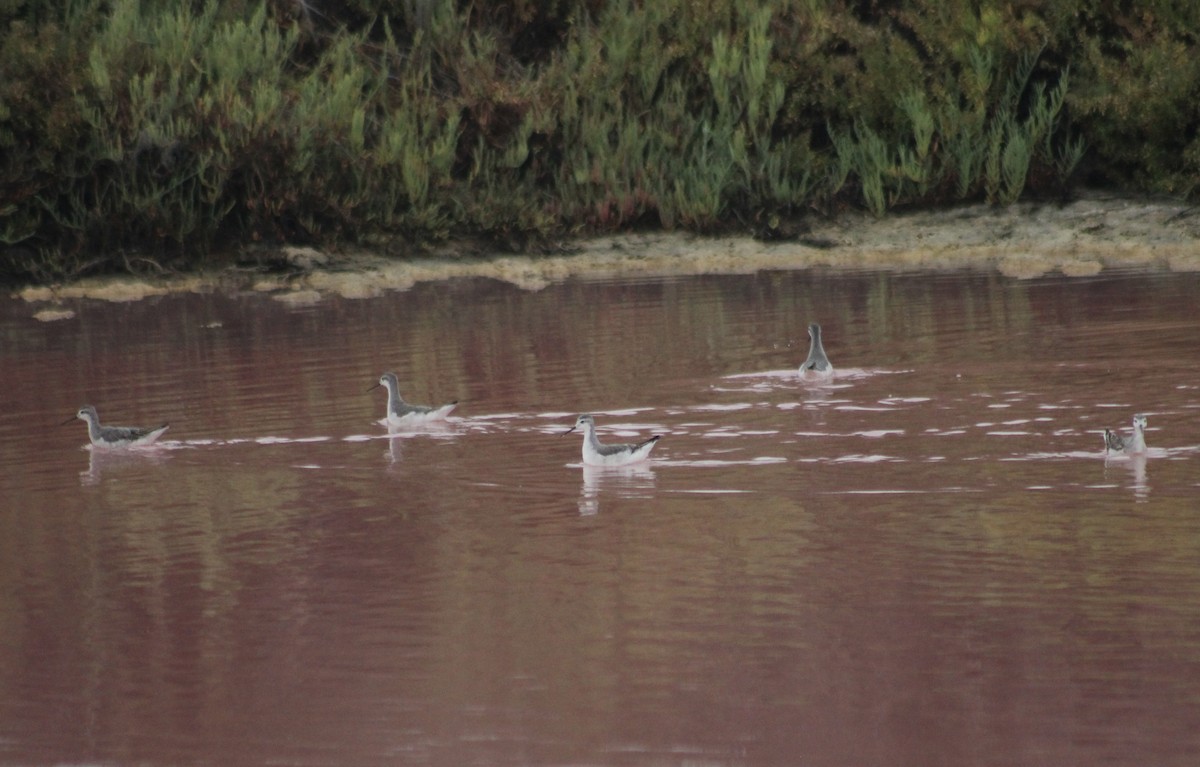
{"x": 1084, "y": 237}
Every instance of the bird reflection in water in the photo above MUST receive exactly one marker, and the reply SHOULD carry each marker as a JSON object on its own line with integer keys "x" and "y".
{"x": 106, "y": 461}
{"x": 632, "y": 481}
{"x": 1135, "y": 464}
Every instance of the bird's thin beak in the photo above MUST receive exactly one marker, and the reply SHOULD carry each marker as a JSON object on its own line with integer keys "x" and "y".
{"x": 568, "y": 431}
{"x": 376, "y": 386}
{"x": 72, "y": 418}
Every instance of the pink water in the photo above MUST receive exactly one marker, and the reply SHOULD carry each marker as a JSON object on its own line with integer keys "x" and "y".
{"x": 927, "y": 561}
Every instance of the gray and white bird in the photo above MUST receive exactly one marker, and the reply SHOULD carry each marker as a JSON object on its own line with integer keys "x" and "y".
{"x": 115, "y": 436}
{"x": 401, "y": 413}
{"x": 596, "y": 453}
{"x": 817, "y": 365}
{"x": 1133, "y": 444}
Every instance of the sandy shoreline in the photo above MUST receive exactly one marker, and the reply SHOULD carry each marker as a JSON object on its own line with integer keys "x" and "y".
{"x": 1026, "y": 240}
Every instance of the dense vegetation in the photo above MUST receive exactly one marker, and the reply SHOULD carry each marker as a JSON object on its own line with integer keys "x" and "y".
{"x": 148, "y": 134}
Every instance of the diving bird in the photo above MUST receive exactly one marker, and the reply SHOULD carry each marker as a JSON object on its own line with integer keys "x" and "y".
{"x": 115, "y": 436}
{"x": 401, "y": 413}
{"x": 817, "y": 364}
{"x": 596, "y": 453}
{"x": 1134, "y": 443}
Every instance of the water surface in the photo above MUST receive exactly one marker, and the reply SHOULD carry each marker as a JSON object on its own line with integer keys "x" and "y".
{"x": 926, "y": 561}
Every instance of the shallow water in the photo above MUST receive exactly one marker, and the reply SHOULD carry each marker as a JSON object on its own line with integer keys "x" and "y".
{"x": 925, "y": 561}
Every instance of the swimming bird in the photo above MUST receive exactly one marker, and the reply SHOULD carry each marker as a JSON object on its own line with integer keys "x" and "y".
{"x": 401, "y": 413}
{"x": 1134, "y": 443}
{"x": 595, "y": 453}
{"x": 817, "y": 364}
{"x": 115, "y": 436}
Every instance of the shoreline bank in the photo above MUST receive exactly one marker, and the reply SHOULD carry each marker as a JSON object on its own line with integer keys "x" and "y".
{"x": 1083, "y": 237}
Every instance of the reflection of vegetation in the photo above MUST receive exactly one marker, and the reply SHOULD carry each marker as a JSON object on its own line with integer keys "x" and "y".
{"x": 137, "y": 129}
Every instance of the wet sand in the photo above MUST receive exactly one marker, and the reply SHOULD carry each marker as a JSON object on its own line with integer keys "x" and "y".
{"x": 1094, "y": 232}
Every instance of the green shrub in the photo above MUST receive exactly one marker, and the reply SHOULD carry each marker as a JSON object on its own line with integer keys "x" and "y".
{"x": 146, "y": 133}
